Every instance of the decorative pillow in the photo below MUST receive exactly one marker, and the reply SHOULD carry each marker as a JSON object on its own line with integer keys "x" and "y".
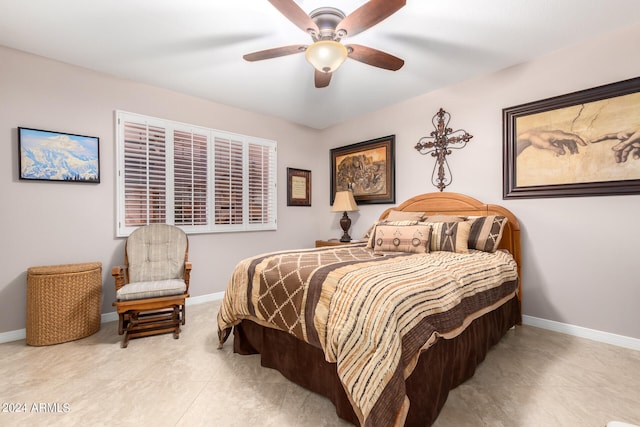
{"x": 449, "y": 236}
{"x": 372, "y": 231}
{"x": 404, "y": 216}
{"x": 486, "y": 232}
{"x": 402, "y": 238}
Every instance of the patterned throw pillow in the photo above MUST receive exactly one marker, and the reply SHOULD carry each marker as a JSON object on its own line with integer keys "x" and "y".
{"x": 449, "y": 236}
{"x": 402, "y": 238}
{"x": 486, "y": 232}
{"x": 369, "y": 235}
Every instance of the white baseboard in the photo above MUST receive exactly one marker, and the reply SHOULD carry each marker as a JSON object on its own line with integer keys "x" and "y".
{"x": 579, "y": 331}
{"x": 216, "y": 296}
{"x": 565, "y": 328}
{"x": 16, "y": 335}
{"x": 112, "y": 316}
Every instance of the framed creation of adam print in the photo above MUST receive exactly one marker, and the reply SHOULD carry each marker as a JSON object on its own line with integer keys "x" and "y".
{"x": 585, "y": 143}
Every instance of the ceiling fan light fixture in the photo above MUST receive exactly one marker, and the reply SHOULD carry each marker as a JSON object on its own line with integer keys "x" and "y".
{"x": 326, "y": 55}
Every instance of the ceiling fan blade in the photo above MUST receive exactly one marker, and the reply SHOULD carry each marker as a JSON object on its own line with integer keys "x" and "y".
{"x": 322, "y": 79}
{"x": 295, "y": 14}
{"x": 275, "y": 52}
{"x": 374, "y": 57}
{"x": 368, "y": 15}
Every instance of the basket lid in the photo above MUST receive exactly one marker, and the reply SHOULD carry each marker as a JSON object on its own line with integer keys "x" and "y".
{"x": 64, "y": 268}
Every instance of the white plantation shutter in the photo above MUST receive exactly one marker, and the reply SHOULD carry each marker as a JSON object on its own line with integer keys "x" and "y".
{"x": 202, "y": 180}
{"x": 245, "y": 182}
{"x": 144, "y": 174}
{"x": 261, "y": 186}
{"x": 190, "y": 178}
{"x": 228, "y": 179}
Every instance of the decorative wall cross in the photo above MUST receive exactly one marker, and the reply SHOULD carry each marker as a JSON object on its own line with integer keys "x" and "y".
{"x": 439, "y": 144}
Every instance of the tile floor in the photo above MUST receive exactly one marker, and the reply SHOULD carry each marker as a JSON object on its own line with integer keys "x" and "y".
{"x": 533, "y": 377}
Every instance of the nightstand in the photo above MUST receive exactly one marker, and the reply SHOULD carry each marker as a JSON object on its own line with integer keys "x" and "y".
{"x": 334, "y": 242}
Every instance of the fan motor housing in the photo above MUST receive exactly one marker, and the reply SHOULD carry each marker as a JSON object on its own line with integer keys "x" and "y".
{"x": 327, "y": 19}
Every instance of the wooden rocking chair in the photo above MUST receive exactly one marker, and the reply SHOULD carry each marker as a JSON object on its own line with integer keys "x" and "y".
{"x": 153, "y": 284}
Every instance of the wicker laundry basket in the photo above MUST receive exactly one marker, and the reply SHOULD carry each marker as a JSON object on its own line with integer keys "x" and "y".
{"x": 63, "y": 302}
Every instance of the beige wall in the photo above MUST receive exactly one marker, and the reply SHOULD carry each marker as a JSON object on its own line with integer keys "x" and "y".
{"x": 57, "y": 223}
{"x": 581, "y": 254}
{"x": 573, "y": 272}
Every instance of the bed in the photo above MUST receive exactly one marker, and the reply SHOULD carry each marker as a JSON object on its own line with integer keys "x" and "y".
{"x": 385, "y": 328}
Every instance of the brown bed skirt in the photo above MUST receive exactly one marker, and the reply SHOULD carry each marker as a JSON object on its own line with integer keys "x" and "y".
{"x": 444, "y": 366}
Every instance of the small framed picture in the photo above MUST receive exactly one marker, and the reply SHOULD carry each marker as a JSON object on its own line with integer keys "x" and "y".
{"x": 58, "y": 156}
{"x": 298, "y": 187}
{"x": 366, "y": 168}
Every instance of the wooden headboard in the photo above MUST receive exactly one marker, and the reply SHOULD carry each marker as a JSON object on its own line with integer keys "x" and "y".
{"x": 460, "y": 204}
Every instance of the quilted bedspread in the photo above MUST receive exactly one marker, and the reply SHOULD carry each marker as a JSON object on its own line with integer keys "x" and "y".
{"x": 371, "y": 314}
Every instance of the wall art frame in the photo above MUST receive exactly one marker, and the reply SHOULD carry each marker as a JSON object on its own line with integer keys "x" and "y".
{"x": 585, "y": 143}
{"x": 298, "y": 187}
{"x": 58, "y": 156}
{"x": 367, "y": 168}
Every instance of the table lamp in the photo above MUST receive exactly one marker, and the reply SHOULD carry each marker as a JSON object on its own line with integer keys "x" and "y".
{"x": 344, "y": 202}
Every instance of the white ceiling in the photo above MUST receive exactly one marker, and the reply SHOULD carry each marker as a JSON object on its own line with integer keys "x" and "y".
{"x": 196, "y": 46}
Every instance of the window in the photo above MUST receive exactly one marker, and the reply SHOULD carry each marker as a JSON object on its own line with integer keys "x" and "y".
{"x": 200, "y": 179}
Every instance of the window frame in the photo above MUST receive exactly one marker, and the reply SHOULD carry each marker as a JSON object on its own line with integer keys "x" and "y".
{"x": 265, "y": 220}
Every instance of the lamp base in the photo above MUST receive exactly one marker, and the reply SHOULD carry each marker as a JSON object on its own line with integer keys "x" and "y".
{"x": 345, "y": 223}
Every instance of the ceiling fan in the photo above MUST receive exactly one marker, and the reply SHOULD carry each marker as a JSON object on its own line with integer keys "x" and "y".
{"x": 327, "y": 26}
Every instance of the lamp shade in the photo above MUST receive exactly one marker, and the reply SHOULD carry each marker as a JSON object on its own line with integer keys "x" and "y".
{"x": 326, "y": 55}
{"x": 344, "y": 202}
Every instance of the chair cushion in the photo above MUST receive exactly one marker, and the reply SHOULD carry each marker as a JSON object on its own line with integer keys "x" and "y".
{"x": 151, "y": 289}
{"x": 156, "y": 252}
